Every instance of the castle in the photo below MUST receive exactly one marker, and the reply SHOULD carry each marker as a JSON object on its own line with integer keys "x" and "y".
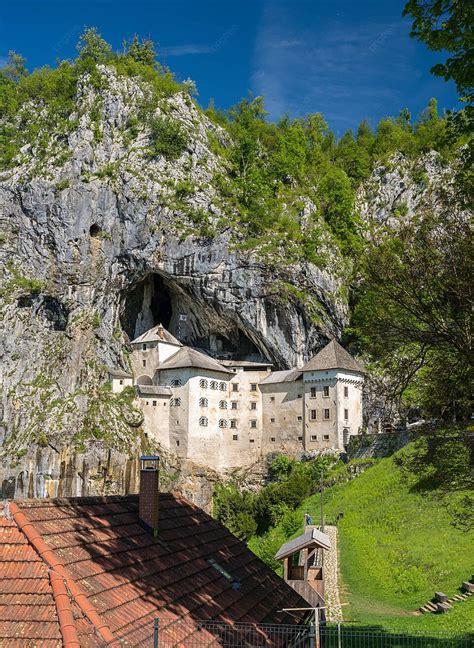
{"x": 228, "y": 413}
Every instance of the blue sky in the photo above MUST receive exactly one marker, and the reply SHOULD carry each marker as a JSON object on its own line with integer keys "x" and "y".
{"x": 349, "y": 60}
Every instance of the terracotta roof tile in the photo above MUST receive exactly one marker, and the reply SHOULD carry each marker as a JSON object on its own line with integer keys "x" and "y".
{"x": 130, "y": 577}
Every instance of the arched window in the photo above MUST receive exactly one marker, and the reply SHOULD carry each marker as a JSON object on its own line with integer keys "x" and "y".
{"x": 176, "y": 402}
{"x": 223, "y": 404}
{"x": 214, "y": 384}
{"x": 176, "y": 382}
{"x": 203, "y": 402}
{"x": 203, "y": 383}
{"x": 203, "y": 421}
{"x": 222, "y": 423}
{"x": 222, "y": 386}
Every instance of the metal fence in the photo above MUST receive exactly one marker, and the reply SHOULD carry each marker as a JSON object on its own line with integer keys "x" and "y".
{"x": 189, "y": 633}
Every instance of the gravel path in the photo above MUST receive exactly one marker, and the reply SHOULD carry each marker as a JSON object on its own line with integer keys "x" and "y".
{"x": 331, "y": 589}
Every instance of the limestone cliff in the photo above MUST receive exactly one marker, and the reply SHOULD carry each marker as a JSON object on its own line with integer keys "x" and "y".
{"x": 99, "y": 241}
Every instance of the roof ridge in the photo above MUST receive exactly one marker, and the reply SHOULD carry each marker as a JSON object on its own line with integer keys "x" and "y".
{"x": 48, "y": 556}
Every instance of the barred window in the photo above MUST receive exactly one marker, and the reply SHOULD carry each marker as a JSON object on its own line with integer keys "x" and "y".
{"x": 313, "y": 392}
{"x": 203, "y": 422}
{"x": 253, "y": 386}
{"x": 253, "y": 405}
{"x": 326, "y": 391}
{"x": 346, "y": 414}
{"x": 222, "y": 423}
{"x": 214, "y": 384}
{"x": 235, "y": 437}
{"x": 203, "y": 402}
{"x": 346, "y": 392}
{"x": 233, "y": 423}
{"x": 223, "y": 404}
{"x": 253, "y": 424}
{"x": 233, "y": 405}
{"x": 223, "y": 386}
{"x": 327, "y": 414}
{"x": 203, "y": 383}
{"x": 176, "y": 382}
{"x": 312, "y": 414}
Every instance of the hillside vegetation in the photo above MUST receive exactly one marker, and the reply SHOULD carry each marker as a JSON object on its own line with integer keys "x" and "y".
{"x": 407, "y": 530}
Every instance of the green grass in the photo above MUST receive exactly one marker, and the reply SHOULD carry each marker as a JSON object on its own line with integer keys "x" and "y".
{"x": 398, "y": 545}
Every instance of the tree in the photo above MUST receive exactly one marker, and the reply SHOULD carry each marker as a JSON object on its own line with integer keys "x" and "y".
{"x": 415, "y": 311}
{"x": 142, "y": 51}
{"x": 447, "y": 25}
{"x": 15, "y": 67}
{"x": 92, "y": 47}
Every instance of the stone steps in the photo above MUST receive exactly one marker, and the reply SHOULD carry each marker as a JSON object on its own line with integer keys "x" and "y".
{"x": 441, "y": 603}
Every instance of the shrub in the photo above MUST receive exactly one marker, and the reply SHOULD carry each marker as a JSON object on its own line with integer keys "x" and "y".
{"x": 168, "y": 138}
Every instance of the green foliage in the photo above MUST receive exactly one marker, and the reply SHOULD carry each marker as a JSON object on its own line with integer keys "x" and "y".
{"x": 402, "y": 536}
{"x": 141, "y": 51}
{"x": 92, "y": 47}
{"x": 414, "y": 312}
{"x": 168, "y": 138}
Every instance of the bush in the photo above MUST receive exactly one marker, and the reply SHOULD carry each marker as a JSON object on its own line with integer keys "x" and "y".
{"x": 168, "y": 138}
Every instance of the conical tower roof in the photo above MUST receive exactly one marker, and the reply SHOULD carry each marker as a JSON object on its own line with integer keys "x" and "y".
{"x": 333, "y": 356}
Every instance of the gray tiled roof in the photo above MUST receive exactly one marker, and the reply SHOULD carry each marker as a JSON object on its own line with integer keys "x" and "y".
{"x": 187, "y": 357}
{"x": 156, "y": 334}
{"x": 154, "y": 390}
{"x": 288, "y": 375}
{"x": 309, "y": 539}
{"x": 333, "y": 356}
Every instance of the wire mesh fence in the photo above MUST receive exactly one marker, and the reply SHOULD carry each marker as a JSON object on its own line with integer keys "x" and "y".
{"x": 189, "y": 633}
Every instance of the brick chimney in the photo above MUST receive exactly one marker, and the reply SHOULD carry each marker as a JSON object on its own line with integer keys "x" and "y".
{"x": 149, "y": 492}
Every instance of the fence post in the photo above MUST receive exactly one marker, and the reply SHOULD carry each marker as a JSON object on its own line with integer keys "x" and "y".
{"x": 312, "y": 636}
{"x": 339, "y": 638}
{"x": 156, "y": 631}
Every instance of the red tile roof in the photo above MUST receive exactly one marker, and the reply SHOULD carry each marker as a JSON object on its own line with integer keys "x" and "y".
{"x": 120, "y": 578}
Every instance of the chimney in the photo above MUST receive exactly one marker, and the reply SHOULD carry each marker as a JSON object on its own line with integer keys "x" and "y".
{"x": 149, "y": 492}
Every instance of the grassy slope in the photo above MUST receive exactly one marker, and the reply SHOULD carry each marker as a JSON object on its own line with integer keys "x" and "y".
{"x": 397, "y": 546}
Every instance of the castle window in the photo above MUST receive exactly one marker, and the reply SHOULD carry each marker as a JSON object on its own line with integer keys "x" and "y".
{"x": 314, "y": 437}
{"x": 143, "y": 363}
{"x": 253, "y": 406}
{"x": 312, "y": 415}
{"x": 176, "y": 402}
{"x": 272, "y": 398}
{"x": 235, "y": 437}
{"x": 214, "y": 385}
{"x": 222, "y": 404}
{"x": 252, "y": 440}
{"x": 272, "y": 439}
{"x": 233, "y": 405}
{"x": 176, "y": 382}
{"x": 326, "y": 437}
{"x": 154, "y": 403}
{"x": 346, "y": 392}
{"x": 326, "y": 391}
{"x": 233, "y": 423}
{"x": 300, "y": 438}
{"x": 203, "y": 383}
{"x": 253, "y": 386}
{"x": 313, "y": 392}
{"x": 346, "y": 414}
{"x": 300, "y": 395}
{"x": 203, "y": 402}
{"x": 120, "y": 382}
{"x": 327, "y": 415}
{"x": 253, "y": 423}
{"x": 203, "y": 422}
{"x": 177, "y": 442}
{"x": 272, "y": 420}
{"x": 222, "y": 423}
{"x": 143, "y": 347}
{"x": 222, "y": 386}
{"x": 300, "y": 418}
{"x": 235, "y": 387}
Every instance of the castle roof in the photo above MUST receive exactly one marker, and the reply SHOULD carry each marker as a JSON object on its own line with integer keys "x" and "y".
{"x": 333, "y": 356}
{"x": 120, "y": 373}
{"x": 154, "y": 390}
{"x": 157, "y": 334}
{"x": 312, "y": 537}
{"x": 187, "y": 357}
{"x": 287, "y": 375}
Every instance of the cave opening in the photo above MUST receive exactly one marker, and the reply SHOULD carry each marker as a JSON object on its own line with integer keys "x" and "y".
{"x": 95, "y": 231}
{"x": 156, "y": 300}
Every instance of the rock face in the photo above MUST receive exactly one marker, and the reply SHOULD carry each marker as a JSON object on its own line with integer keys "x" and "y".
{"x": 96, "y": 248}
{"x": 98, "y": 242}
